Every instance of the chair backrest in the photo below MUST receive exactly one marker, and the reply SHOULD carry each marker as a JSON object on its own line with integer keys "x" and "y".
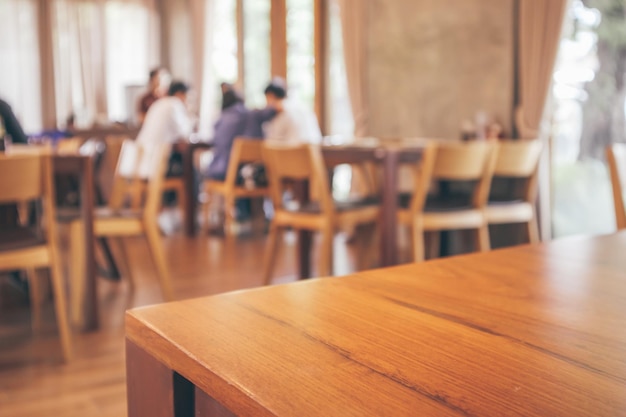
{"x": 33, "y": 182}
{"x": 616, "y": 157}
{"x": 470, "y": 161}
{"x": 21, "y": 178}
{"x": 243, "y": 151}
{"x": 301, "y": 162}
{"x": 518, "y": 158}
{"x": 126, "y": 182}
{"x": 69, "y": 145}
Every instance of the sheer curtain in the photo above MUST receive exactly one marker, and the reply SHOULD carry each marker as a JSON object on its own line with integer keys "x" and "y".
{"x": 20, "y": 77}
{"x": 539, "y": 34}
{"x": 100, "y": 48}
{"x": 354, "y": 20}
{"x": 189, "y": 44}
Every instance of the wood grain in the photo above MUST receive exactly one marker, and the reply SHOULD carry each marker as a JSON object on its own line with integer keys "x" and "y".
{"x": 530, "y": 331}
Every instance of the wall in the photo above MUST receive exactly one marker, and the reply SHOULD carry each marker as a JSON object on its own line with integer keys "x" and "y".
{"x": 435, "y": 63}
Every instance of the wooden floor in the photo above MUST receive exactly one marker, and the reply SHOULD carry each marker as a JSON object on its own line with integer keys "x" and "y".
{"x": 33, "y": 382}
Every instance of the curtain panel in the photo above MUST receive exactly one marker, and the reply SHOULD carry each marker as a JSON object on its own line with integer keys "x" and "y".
{"x": 539, "y": 34}
{"x": 99, "y": 49}
{"x": 354, "y": 20}
{"x": 20, "y": 80}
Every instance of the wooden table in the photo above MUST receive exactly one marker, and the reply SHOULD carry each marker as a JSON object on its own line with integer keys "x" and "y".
{"x": 81, "y": 167}
{"x": 527, "y": 331}
{"x": 189, "y": 175}
{"x": 390, "y": 157}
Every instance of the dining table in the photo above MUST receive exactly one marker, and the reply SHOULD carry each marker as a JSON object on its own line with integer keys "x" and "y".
{"x": 533, "y": 330}
{"x": 81, "y": 170}
{"x": 389, "y": 156}
{"x": 80, "y": 167}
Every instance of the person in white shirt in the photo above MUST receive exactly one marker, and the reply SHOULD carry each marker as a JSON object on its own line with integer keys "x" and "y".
{"x": 167, "y": 121}
{"x": 294, "y": 123}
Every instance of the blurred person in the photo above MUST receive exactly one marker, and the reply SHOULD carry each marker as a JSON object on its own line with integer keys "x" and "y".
{"x": 293, "y": 123}
{"x": 235, "y": 120}
{"x": 158, "y": 84}
{"x": 10, "y": 123}
{"x": 167, "y": 121}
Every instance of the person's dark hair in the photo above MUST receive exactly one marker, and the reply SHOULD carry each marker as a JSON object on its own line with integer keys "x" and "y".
{"x": 230, "y": 97}
{"x": 154, "y": 72}
{"x": 177, "y": 87}
{"x": 277, "y": 88}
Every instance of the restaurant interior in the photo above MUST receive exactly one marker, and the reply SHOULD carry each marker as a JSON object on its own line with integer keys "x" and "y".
{"x": 312, "y": 208}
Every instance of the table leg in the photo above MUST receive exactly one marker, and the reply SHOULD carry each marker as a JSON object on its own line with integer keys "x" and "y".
{"x": 305, "y": 237}
{"x": 190, "y": 195}
{"x": 90, "y": 303}
{"x": 149, "y": 383}
{"x": 389, "y": 207}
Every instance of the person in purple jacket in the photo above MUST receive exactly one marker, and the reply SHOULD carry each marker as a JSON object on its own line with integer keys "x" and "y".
{"x": 234, "y": 121}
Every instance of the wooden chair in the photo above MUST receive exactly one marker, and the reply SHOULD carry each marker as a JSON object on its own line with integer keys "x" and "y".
{"x": 305, "y": 163}
{"x": 133, "y": 209}
{"x": 473, "y": 161}
{"x": 243, "y": 151}
{"x": 616, "y": 157}
{"x": 520, "y": 160}
{"x": 23, "y": 248}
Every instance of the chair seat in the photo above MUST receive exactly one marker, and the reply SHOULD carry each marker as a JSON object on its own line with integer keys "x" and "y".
{"x": 341, "y": 206}
{"x": 348, "y": 213}
{"x": 221, "y": 187}
{"x": 502, "y": 212}
{"x": 19, "y": 238}
{"x": 439, "y": 204}
{"x": 71, "y": 214}
{"x": 464, "y": 218}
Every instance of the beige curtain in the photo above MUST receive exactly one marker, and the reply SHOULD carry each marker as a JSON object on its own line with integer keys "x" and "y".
{"x": 354, "y": 20}
{"x": 539, "y": 34}
{"x": 79, "y": 60}
{"x": 19, "y": 54}
{"x": 99, "y": 48}
{"x": 188, "y": 44}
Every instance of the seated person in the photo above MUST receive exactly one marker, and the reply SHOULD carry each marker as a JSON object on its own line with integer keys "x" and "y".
{"x": 235, "y": 120}
{"x": 11, "y": 125}
{"x": 293, "y": 123}
{"x": 157, "y": 86}
{"x": 167, "y": 121}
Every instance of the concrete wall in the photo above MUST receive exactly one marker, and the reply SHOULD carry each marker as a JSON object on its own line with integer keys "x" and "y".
{"x": 435, "y": 63}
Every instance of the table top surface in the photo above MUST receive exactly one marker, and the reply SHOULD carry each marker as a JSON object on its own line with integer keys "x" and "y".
{"x": 527, "y": 331}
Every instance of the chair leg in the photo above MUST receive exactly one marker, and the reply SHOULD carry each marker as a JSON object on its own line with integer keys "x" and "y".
{"x": 326, "y": 252}
{"x": 434, "y": 245}
{"x": 484, "y": 243}
{"x": 23, "y": 212}
{"x": 158, "y": 255}
{"x": 417, "y": 238}
{"x": 60, "y": 304}
{"x": 123, "y": 258}
{"x": 77, "y": 270}
{"x": 206, "y": 212}
{"x": 182, "y": 201}
{"x": 229, "y": 215}
{"x": 35, "y": 298}
{"x": 270, "y": 254}
{"x": 365, "y": 236}
{"x": 533, "y": 230}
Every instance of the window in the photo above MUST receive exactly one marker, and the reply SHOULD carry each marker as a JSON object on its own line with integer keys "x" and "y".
{"x": 301, "y": 51}
{"x": 19, "y": 54}
{"x": 340, "y": 111}
{"x": 256, "y": 50}
{"x": 589, "y": 114}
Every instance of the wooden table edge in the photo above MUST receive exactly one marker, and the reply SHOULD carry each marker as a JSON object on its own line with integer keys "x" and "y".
{"x": 174, "y": 357}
